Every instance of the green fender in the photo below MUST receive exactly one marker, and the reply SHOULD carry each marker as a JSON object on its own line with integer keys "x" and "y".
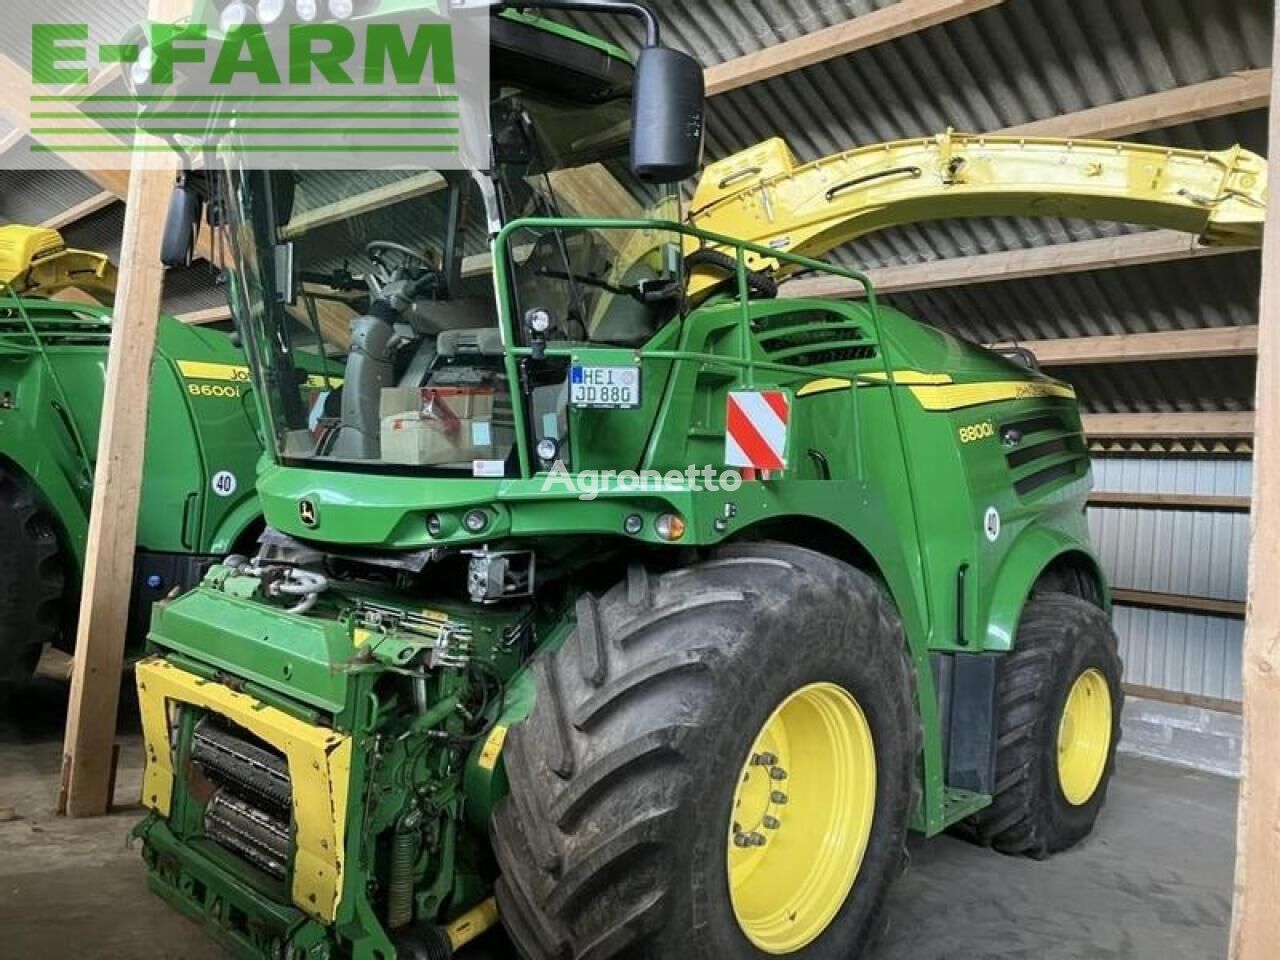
{"x": 1030, "y": 556}
{"x": 29, "y": 454}
{"x": 234, "y": 524}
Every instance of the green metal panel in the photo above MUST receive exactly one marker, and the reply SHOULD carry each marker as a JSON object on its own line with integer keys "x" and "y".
{"x": 199, "y": 425}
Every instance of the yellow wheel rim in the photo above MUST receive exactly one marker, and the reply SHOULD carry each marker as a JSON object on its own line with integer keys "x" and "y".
{"x": 801, "y": 820}
{"x": 1084, "y": 737}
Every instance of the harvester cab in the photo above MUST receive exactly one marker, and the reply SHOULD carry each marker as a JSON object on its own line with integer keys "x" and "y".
{"x": 611, "y": 584}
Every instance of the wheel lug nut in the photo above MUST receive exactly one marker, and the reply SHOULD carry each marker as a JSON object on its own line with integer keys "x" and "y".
{"x": 771, "y": 823}
{"x": 777, "y": 773}
{"x": 778, "y": 797}
{"x": 763, "y": 760}
{"x": 752, "y": 839}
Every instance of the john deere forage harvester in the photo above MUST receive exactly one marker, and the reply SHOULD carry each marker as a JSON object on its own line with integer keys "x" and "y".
{"x": 517, "y": 646}
{"x": 198, "y": 499}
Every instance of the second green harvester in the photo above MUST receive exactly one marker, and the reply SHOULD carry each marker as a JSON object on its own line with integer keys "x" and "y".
{"x": 198, "y": 502}
{"x": 503, "y": 657}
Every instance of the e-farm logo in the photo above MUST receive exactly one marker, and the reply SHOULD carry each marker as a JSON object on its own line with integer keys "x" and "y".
{"x": 390, "y": 83}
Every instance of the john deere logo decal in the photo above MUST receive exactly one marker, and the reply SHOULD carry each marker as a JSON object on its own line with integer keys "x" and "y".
{"x": 307, "y": 513}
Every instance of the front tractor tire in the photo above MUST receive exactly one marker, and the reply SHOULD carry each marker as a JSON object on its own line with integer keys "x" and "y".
{"x": 31, "y": 582}
{"x": 1060, "y": 698}
{"x": 720, "y": 763}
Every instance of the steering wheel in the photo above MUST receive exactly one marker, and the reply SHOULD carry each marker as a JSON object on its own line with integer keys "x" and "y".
{"x": 387, "y": 270}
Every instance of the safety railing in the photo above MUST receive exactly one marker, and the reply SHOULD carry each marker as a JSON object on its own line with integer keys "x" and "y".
{"x": 746, "y": 360}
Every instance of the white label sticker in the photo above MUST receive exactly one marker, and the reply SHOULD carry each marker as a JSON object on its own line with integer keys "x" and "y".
{"x": 481, "y": 434}
{"x": 489, "y": 468}
{"x": 991, "y": 524}
{"x": 224, "y": 483}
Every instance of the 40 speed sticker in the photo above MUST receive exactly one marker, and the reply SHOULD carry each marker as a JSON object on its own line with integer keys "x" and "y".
{"x": 991, "y": 524}
{"x": 224, "y": 483}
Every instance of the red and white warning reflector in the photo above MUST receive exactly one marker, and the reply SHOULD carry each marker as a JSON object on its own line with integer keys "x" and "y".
{"x": 756, "y": 429}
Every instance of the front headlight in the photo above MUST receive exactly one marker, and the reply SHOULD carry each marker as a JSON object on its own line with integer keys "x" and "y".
{"x": 140, "y": 72}
{"x": 234, "y": 15}
{"x": 269, "y": 11}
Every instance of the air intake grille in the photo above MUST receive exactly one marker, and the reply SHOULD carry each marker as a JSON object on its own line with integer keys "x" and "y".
{"x": 813, "y": 338}
{"x": 1042, "y": 450}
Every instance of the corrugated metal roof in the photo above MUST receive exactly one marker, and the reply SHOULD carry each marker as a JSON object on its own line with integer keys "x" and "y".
{"x": 1021, "y": 61}
{"x": 33, "y": 196}
{"x": 1178, "y": 295}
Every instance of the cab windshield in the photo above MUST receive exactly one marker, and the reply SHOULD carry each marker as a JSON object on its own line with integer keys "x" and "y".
{"x": 384, "y": 282}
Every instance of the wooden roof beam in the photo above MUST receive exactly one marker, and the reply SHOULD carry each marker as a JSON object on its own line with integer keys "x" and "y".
{"x": 85, "y": 208}
{"x": 348, "y": 208}
{"x": 888, "y": 23}
{"x": 1209, "y": 343}
{"x": 1154, "y": 246}
{"x": 16, "y": 89}
{"x": 1158, "y": 426}
{"x": 1234, "y": 93}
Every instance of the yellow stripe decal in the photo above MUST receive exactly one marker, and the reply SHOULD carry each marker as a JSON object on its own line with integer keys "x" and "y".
{"x": 319, "y": 772}
{"x": 825, "y": 385}
{"x": 231, "y": 373}
{"x": 959, "y": 395}
{"x": 908, "y": 377}
{"x": 200, "y": 370}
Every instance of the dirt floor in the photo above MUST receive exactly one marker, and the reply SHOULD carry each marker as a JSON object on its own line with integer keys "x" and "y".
{"x": 1152, "y": 884}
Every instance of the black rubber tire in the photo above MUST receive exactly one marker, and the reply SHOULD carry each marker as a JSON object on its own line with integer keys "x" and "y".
{"x": 612, "y": 840}
{"x": 1060, "y": 637}
{"x": 31, "y": 582}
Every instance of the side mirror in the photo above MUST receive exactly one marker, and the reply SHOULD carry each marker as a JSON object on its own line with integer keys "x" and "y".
{"x": 668, "y": 116}
{"x": 179, "y": 242}
{"x": 284, "y": 195}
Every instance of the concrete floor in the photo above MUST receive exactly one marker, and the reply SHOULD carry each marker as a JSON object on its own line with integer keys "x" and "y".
{"x": 1152, "y": 884}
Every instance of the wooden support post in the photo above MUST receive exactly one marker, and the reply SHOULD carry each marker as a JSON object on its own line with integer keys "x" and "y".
{"x": 1255, "y": 927}
{"x": 108, "y": 576}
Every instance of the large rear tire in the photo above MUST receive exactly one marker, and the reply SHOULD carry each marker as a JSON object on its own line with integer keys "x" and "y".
{"x": 699, "y": 744}
{"x": 31, "y": 582}
{"x": 1060, "y": 702}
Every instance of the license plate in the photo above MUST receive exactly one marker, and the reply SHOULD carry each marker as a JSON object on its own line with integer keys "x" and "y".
{"x": 612, "y": 388}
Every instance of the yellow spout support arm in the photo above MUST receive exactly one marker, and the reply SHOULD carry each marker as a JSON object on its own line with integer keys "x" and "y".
{"x": 35, "y": 260}
{"x": 765, "y": 196}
